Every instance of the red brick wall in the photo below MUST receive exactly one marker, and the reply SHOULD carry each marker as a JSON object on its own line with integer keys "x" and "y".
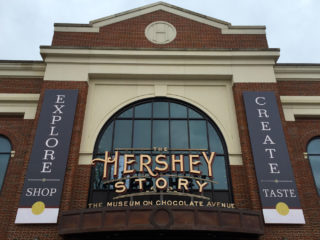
{"x": 18, "y": 131}
{"x": 20, "y": 85}
{"x": 21, "y": 133}
{"x": 297, "y": 135}
{"x": 130, "y": 34}
{"x": 299, "y": 88}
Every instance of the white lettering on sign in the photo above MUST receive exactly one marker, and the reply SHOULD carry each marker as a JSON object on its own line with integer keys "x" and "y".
{"x": 40, "y": 192}
{"x": 265, "y": 127}
{"x": 274, "y": 168}
{"x": 52, "y": 142}
{"x": 260, "y": 101}
{"x": 46, "y": 167}
{"x": 273, "y": 193}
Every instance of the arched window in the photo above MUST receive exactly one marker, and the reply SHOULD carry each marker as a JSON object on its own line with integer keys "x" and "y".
{"x": 5, "y": 151}
{"x": 313, "y": 150}
{"x": 168, "y": 127}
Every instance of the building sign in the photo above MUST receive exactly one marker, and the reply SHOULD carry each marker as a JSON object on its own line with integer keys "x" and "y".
{"x": 40, "y": 198}
{"x": 172, "y": 177}
{"x": 145, "y": 165}
{"x": 277, "y": 187}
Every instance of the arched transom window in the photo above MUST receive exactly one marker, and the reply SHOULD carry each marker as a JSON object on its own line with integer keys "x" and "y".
{"x": 162, "y": 126}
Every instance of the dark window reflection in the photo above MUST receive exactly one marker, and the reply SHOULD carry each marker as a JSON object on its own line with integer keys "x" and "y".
{"x": 127, "y": 114}
{"x": 160, "y": 137}
{"x": 160, "y": 110}
{"x": 314, "y": 158}
{"x": 5, "y": 149}
{"x": 314, "y": 146}
{"x": 315, "y": 165}
{"x": 179, "y": 134}
{"x": 122, "y": 134}
{"x": 194, "y": 114}
{"x": 105, "y": 143}
{"x": 178, "y": 111}
{"x": 142, "y": 134}
{"x": 198, "y": 134}
{"x": 143, "y": 110}
{"x": 215, "y": 141}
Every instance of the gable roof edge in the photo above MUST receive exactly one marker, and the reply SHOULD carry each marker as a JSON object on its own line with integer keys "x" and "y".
{"x": 94, "y": 25}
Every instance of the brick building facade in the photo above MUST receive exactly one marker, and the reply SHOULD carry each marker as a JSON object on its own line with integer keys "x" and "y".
{"x": 160, "y": 53}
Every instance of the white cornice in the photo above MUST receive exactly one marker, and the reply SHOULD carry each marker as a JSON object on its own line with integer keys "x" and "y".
{"x": 19, "y": 103}
{"x": 94, "y": 25}
{"x": 78, "y": 64}
{"x": 297, "y": 72}
{"x": 300, "y": 99}
{"x": 22, "y": 69}
{"x": 105, "y": 54}
{"x": 300, "y": 106}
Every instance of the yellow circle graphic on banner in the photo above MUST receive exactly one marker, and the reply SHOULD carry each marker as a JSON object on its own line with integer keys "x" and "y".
{"x": 282, "y": 208}
{"x": 38, "y": 207}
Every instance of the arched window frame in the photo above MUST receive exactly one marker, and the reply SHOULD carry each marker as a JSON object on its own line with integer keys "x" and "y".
{"x": 5, "y": 155}
{"x": 314, "y": 157}
{"x": 169, "y": 100}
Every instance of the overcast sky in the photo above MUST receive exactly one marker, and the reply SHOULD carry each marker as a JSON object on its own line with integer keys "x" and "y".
{"x": 292, "y": 25}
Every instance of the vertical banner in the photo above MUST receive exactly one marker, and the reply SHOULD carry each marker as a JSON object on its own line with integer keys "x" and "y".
{"x": 41, "y": 193}
{"x": 277, "y": 187}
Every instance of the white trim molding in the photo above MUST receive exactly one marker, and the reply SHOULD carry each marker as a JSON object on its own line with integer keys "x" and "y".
{"x": 300, "y": 106}
{"x": 79, "y": 64}
{"x": 22, "y": 69}
{"x": 297, "y": 72}
{"x": 16, "y": 104}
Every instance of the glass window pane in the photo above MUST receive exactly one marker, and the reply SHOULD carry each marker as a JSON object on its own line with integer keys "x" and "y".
{"x": 315, "y": 165}
{"x": 5, "y": 145}
{"x": 160, "y": 110}
{"x": 160, "y": 135}
{"x": 142, "y": 134}
{"x": 105, "y": 143}
{"x": 143, "y": 111}
{"x": 219, "y": 173}
{"x": 178, "y": 111}
{"x": 314, "y": 146}
{"x": 194, "y": 114}
{"x": 186, "y": 164}
{"x": 122, "y": 134}
{"x": 215, "y": 141}
{"x": 198, "y": 134}
{"x": 98, "y": 174}
{"x": 127, "y": 114}
{"x": 179, "y": 134}
{"x": 4, "y": 160}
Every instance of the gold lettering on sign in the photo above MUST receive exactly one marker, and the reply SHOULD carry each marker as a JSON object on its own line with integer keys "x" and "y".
{"x": 175, "y": 161}
{"x": 165, "y": 167}
{"x": 106, "y": 162}
{"x": 128, "y": 160}
{"x": 146, "y": 165}
{"x": 194, "y": 163}
{"x": 158, "y": 168}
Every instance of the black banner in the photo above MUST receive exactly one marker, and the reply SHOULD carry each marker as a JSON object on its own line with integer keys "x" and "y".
{"x": 45, "y": 175}
{"x": 277, "y": 187}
